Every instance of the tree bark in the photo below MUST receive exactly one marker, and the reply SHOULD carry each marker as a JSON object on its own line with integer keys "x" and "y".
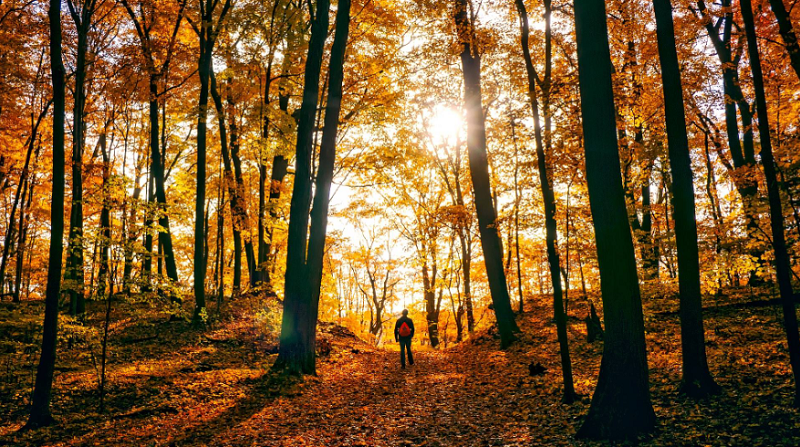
{"x": 549, "y": 204}
{"x": 230, "y": 182}
{"x": 295, "y": 355}
{"x": 782, "y": 261}
{"x": 478, "y": 162}
{"x": 620, "y": 405}
{"x": 208, "y": 36}
{"x": 697, "y": 380}
{"x": 40, "y": 403}
{"x": 74, "y": 275}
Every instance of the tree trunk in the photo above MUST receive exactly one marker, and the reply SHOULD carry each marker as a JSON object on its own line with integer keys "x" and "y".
{"x": 40, "y": 403}
{"x": 429, "y": 296}
{"x": 327, "y": 158}
{"x": 238, "y": 202}
{"x": 230, "y": 182}
{"x": 549, "y": 204}
{"x": 157, "y": 173}
{"x": 204, "y": 70}
{"x": 697, "y": 380}
{"x": 295, "y": 355}
{"x": 19, "y": 195}
{"x": 74, "y": 276}
{"x": 478, "y": 162}
{"x": 782, "y": 262}
{"x": 621, "y": 405}
{"x": 105, "y": 221}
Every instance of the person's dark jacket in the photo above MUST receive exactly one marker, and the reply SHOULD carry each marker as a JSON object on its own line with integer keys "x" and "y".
{"x": 399, "y": 323}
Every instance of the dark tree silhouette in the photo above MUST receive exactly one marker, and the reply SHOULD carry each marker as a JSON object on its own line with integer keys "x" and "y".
{"x": 548, "y": 202}
{"x": 304, "y": 272}
{"x": 621, "y": 405}
{"x": 42, "y": 390}
{"x": 479, "y": 170}
{"x": 208, "y": 32}
{"x": 697, "y": 380}
{"x": 782, "y": 262}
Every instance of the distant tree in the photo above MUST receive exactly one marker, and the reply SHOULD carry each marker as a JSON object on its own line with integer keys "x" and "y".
{"x": 42, "y": 391}
{"x": 697, "y": 380}
{"x": 621, "y": 405}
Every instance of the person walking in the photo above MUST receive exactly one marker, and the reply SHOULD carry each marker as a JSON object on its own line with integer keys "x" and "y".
{"x": 403, "y": 333}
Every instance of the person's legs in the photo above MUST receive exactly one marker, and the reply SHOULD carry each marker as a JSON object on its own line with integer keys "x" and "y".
{"x": 402, "y": 353}
{"x": 410, "y": 357}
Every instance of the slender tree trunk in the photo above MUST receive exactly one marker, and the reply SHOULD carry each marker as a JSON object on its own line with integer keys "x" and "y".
{"x": 240, "y": 218}
{"x": 23, "y": 234}
{"x": 621, "y": 405}
{"x": 230, "y": 183}
{"x": 697, "y": 380}
{"x": 782, "y": 261}
{"x": 157, "y": 173}
{"x": 105, "y": 221}
{"x": 549, "y": 204}
{"x": 74, "y": 275}
{"x": 478, "y": 162}
{"x": 40, "y": 404}
{"x": 18, "y": 195}
{"x": 200, "y": 200}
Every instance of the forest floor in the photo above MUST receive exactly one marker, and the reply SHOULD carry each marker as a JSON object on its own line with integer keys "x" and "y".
{"x": 172, "y": 385}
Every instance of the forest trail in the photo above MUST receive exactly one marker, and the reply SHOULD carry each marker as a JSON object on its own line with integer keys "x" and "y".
{"x": 366, "y": 399}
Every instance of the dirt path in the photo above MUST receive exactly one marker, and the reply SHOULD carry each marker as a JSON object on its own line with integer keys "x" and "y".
{"x": 366, "y": 399}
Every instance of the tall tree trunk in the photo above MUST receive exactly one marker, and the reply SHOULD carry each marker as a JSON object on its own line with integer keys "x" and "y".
{"x": 23, "y": 234}
{"x": 74, "y": 275}
{"x": 517, "y": 200}
{"x": 105, "y": 221}
{"x": 157, "y": 173}
{"x": 230, "y": 182}
{"x": 742, "y": 150}
{"x": 697, "y": 380}
{"x": 478, "y": 163}
{"x": 238, "y": 201}
{"x": 40, "y": 403}
{"x": 280, "y": 162}
{"x": 621, "y": 405}
{"x": 782, "y": 262}
{"x": 324, "y": 178}
{"x": 549, "y": 204}
{"x": 200, "y": 199}
{"x": 208, "y": 36}
{"x": 295, "y": 355}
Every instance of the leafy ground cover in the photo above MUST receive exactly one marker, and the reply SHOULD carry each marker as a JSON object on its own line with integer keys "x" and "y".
{"x": 172, "y": 385}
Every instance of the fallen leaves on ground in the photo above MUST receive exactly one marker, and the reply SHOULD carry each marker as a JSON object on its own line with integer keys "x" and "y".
{"x": 172, "y": 385}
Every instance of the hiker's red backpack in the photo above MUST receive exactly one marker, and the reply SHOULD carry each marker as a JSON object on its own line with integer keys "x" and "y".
{"x": 405, "y": 330}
